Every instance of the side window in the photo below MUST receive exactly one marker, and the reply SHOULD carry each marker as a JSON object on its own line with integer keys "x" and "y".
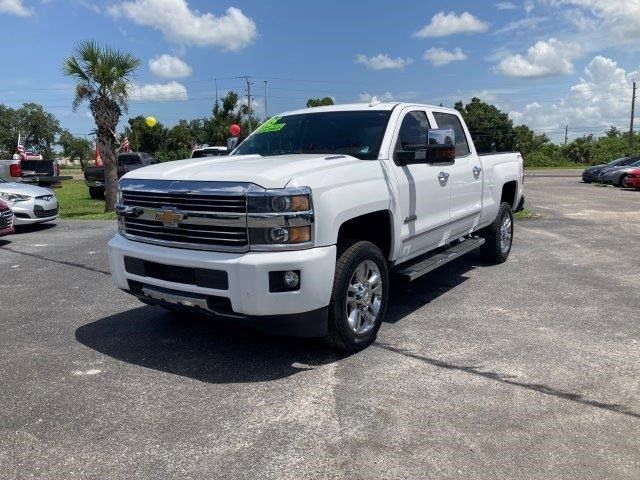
{"x": 448, "y": 120}
{"x": 413, "y": 131}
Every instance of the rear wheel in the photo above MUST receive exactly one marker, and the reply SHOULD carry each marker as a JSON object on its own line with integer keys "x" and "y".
{"x": 498, "y": 236}
{"x": 96, "y": 193}
{"x": 359, "y": 298}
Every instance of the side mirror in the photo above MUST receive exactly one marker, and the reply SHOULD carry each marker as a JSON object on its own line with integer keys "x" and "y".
{"x": 441, "y": 145}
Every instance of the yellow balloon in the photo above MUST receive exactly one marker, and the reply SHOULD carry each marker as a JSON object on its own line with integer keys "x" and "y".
{"x": 151, "y": 121}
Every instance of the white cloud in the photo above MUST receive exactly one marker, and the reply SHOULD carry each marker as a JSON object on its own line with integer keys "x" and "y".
{"x": 232, "y": 31}
{"x": 601, "y": 98}
{"x": 618, "y": 19}
{"x": 505, "y": 6}
{"x": 444, "y": 24}
{"x": 158, "y": 92}
{"x": 528, "y": 23}
{"x": 440, "y": 56}
{"x": 167, "y": 66}
{"x": 528, "y": 6}
{"x": 14, "y": 7}
{"x": 543, "y": 59}
{"x": 382, "y": 61}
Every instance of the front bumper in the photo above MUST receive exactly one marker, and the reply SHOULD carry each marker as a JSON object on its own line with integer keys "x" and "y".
{"x": 248, "y": 277}
{"x": 24, "y": 213}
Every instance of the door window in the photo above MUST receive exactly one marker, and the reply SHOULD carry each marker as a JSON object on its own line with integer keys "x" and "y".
{"x": 413, "y": 131}
{"x": 448, "y": 120}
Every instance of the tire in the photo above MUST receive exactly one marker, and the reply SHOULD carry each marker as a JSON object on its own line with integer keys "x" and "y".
{"x": 96, "y": 193}
{"x": 358, "y": 301}
{"x": 494, "y": 250}
{"x": 621, "y": 181}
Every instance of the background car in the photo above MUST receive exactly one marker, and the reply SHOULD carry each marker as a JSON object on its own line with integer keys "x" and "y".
{"x": 30, "y": 204}
{"x": 94, "y": 176}
{"x": 632, "y": 180}
{"x": 591, "y": 174}
{"x": 208, "y": 151}
{"x": 616, "y": 175}
{"x": 6, "y": 219}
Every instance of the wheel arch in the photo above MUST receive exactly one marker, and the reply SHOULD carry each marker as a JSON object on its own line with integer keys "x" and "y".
{"x": 375, "y": 227}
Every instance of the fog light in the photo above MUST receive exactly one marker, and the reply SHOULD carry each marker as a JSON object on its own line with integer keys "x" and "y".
{"x": 291, "y": 279}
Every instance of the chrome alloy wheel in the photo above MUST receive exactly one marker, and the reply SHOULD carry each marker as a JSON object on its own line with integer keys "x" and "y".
{"x": 506, "y": 234}
{"x": 364, "y": 297}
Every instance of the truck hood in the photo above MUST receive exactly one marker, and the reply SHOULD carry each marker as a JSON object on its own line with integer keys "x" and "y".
{"x": 268, "y": 172}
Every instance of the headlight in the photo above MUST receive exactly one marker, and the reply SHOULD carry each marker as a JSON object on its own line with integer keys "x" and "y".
{"x": 119, "y": 194}
{"x": 14, "y": 197}
{"x": 280, "y": 219}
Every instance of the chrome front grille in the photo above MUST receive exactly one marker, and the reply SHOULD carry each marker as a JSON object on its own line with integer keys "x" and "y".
{"x": 194, "y": 215}
{"x": 191, "y": 202}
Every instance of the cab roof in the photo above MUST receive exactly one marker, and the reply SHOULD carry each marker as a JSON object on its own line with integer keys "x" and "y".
{"x": 379, "y": 106}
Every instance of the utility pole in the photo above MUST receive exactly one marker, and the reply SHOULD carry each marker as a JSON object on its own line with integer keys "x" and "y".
{"x": 633, "y": 108}
{"x": 247, "y": 79}
{"x": 216, "y": 82}
{"x": 566, "y": 135}
{"x": 266, "y": 112}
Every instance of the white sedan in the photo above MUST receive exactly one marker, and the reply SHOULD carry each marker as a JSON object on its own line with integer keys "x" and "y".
{"x": 30, "y": 204}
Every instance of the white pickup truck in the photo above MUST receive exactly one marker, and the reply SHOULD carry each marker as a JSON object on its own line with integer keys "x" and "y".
{"x": 303, "y": 226}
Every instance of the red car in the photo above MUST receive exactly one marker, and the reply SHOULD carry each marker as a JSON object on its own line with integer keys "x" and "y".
{"x": 632, "y": 180}
{"x": 6, "y": 219}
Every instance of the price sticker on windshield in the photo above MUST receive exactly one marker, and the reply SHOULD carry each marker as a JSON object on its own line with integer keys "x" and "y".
{"x": 271, "y": 125}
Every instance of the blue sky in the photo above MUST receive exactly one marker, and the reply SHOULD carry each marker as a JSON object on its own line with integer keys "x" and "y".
{"x": 550, "y": 63}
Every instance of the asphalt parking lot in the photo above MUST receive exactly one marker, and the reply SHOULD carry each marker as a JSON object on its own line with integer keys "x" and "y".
{"x": 530, "y": 369}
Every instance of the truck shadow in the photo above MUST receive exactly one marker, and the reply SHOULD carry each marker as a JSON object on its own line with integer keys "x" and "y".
{"x": 217, "y": 351}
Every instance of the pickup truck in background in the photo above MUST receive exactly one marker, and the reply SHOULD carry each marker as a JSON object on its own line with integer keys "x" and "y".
{"x": 209, "y": 151}
{"x": 301, "y": 229}
{"x": 94, "y": 176}
{"x": 31, "y": 170}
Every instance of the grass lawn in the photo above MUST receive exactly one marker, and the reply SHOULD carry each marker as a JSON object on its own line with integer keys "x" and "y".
{"x": 526, "y": 215}
{"x": 76, "y": 204}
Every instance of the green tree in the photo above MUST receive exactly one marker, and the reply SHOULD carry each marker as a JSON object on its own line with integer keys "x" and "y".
{"x": 38, "y": 127}
{"x": 103, "y": 78}
{"x": 144, "y": 138}
{"x": 580, "y": 150}
{"x": 613, "y": 132}
{"x": 319, "y": 102}
{"x": 491, "y": 129}
{"x": 526, "y": 140}
{"x": 75, "y": 148}
{"x": 8, "y": 131}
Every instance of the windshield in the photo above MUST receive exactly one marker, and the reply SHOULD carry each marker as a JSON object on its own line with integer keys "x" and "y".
{"x": 617, "y": 161}
{"x": 128, "y": 159}
{"x": 355, "y": 133}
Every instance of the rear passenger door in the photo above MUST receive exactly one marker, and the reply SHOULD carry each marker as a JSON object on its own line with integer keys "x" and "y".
{"x": 466, "y": 177}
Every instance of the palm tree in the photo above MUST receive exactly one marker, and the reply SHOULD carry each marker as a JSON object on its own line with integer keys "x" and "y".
{"x": 103, "y": 78}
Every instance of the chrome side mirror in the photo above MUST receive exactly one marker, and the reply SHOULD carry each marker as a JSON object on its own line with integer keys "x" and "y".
{"x": 441, "y": 145}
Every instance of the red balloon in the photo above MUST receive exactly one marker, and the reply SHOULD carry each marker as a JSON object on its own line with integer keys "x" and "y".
{"x": 234, "y": 129}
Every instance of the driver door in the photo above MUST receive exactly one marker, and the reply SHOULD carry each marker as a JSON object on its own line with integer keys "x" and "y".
{"x": 424, "y": 190}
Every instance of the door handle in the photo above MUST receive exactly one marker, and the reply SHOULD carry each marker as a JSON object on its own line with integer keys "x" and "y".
{"x": 476, "y": 171}
{"x": 443, "y": 177}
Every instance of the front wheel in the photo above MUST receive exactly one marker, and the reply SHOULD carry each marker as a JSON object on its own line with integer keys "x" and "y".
{"x": 359, "y": 298}
{"x": 498, "y": 236}
{"x": 621, "y": 181}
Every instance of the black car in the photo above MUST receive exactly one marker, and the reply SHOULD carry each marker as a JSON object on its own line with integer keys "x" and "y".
{"x": 94, "y": 176}
{"x": 591, "y": 173}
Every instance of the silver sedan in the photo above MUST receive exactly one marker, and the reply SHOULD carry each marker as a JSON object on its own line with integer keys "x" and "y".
{"x": 30, "y": 204}
{"x": 616, "y": 175}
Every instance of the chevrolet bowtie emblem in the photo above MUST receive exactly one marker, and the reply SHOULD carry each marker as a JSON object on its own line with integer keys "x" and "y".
{"x": 169, "y": 218}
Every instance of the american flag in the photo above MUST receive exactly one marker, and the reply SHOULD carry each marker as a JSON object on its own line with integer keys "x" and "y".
{"x": 125, "y": 147}
{"x": 21, "y": 150}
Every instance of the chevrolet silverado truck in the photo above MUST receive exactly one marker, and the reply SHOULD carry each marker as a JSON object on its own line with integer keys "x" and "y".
{"x": 301, "y": 229}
